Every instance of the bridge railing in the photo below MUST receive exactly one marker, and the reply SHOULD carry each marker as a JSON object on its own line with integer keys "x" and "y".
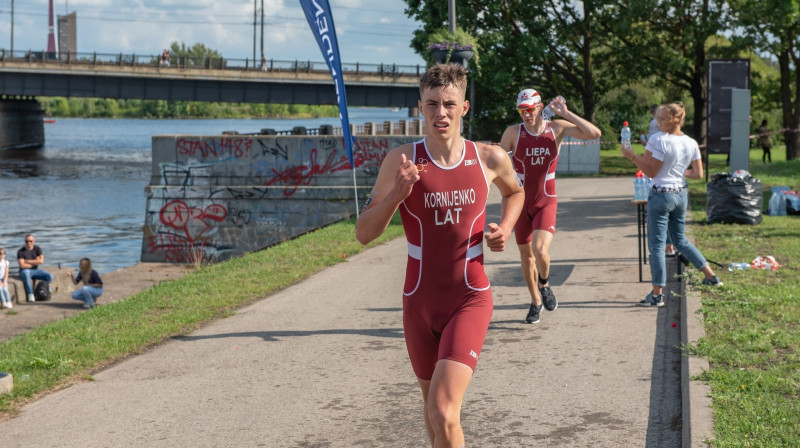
{"x": 269, "y": 65}
{"x": 402, "y": 127}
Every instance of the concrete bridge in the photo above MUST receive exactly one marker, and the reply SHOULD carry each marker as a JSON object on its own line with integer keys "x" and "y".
{"x": 130, "y": 76}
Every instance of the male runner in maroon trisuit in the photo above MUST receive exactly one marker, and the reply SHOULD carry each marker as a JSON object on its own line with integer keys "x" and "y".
{"x": 441, "y": 184}
{"x": 534, "y": 145}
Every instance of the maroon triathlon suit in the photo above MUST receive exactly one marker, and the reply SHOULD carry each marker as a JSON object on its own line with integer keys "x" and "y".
{"x": 535, "y": 159}
{"x": 447, "y": 303}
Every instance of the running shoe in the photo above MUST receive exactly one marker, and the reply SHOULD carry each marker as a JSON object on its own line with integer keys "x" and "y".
{"x": 653, "y": 300}
{"x": 713, "y": 281}
{"x": 533, "y": 314}
{"x": 548, "y": 298}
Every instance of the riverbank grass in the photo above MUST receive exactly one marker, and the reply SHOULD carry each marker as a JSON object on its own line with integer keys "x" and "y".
{"x": 69, "y": 350}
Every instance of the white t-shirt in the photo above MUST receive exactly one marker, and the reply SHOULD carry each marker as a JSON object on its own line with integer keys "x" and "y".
{"x": 3, "y": 265}
{"x": 676, "y": 154}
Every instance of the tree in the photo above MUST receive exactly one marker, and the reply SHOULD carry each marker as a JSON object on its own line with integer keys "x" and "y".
{"x": 197, "y": 55}
{"x": 671, "y": 40}
{"x": 57, "y": 107}
{"x": 546, "y": 45}
{"x": 773, "y": 26}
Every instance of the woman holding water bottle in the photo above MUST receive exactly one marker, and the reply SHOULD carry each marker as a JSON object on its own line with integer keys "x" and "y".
{"x": 534, "y": 145}
{"x": 670, "y": 157}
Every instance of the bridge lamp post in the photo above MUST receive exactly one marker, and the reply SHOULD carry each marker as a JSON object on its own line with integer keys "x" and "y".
{"x": 12, "y": 28}
{"x": 255, "y": 21}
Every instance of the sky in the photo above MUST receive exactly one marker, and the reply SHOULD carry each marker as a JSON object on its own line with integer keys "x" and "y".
{"x": 370, "y": 32}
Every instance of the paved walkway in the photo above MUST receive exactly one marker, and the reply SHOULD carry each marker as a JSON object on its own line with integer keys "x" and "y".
{"x": 323, "y": 363}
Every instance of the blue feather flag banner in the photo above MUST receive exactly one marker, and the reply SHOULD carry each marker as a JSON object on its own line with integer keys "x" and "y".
{"x": 320, "y": 19}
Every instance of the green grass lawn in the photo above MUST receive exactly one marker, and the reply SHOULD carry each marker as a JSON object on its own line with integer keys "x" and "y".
{"x": 752, "y": 323}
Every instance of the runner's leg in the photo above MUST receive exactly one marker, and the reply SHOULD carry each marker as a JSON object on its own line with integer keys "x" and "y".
{"x": 529, "y": 271}
{"x": 443, "y": 405}
{"x": 426, "y": 386}
{"x": 541, "y": 250}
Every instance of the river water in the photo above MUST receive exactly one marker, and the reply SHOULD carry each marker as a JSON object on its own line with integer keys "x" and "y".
{"x": 82, "y": 194}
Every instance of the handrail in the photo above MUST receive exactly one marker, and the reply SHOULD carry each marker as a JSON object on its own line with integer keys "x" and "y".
{"x": 269, "y": 65}
{"x": 401, "y": 127}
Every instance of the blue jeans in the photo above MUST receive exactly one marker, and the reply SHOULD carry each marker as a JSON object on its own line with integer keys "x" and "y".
{"x": 27, "y": 276}
{"x": 87, "y": 294}
{"x": 666, "y": 215}
{"x": 5, "y": 297}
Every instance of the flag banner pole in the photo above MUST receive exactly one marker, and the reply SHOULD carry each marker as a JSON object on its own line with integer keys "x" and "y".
{"x": 320, "y": 19}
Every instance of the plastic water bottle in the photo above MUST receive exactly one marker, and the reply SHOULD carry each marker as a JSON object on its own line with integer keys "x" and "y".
{"x": 638, "y": 187}
{"x": 777, "y": 202}
{"x": 738, "y": 266}
{"x": 772, "y": 208}
{"x": 625, "y": 135}
{"x": 548, "y": 113}
{"x": 782, "y": 204}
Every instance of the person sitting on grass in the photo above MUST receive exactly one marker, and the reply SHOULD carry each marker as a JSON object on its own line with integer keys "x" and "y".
{"x": 92, "y": 284}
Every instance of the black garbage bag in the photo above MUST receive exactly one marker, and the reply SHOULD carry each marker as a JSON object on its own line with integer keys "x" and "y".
{"x": 734, "y": 199}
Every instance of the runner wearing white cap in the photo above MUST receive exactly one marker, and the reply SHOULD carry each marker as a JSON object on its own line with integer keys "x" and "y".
{"x": 534, "y": 145}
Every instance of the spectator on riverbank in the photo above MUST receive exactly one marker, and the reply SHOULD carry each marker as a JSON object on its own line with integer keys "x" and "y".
{"x": 92, "y": 284}
{"x": 30, "y": 257}
{"x": 766, "y": 144}
{"x": 670, "y": 157}
{"x": 5, "y": 297}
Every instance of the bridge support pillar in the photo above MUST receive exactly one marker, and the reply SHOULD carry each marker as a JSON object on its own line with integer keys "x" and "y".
{"x": 21, "y": 123}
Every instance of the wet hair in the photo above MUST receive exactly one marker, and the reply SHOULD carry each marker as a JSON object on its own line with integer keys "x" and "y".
{"x": 764, "y": 122}
{"x": 672, "y": 114}
{"x": 443, "y": 75}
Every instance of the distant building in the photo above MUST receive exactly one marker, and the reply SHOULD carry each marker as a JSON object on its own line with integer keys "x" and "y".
{"x": 67, "y": 36}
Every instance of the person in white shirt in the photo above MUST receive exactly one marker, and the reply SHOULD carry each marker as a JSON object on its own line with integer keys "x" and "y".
{"x": 669, "y": 158}
{"x": 5, "y": 297}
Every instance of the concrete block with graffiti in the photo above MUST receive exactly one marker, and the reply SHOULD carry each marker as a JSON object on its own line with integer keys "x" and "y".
{"x": 217, "y": 197}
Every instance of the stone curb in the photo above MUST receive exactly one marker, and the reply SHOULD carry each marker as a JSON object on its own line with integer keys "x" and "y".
{"x": 698, "y": 416}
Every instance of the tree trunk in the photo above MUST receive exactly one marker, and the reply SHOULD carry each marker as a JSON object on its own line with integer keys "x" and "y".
{"x": 697, "y": 83}
{"x": 588, "y": 78}
{"x": 789, "y": 106}
{"x": 794, "y": 141}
